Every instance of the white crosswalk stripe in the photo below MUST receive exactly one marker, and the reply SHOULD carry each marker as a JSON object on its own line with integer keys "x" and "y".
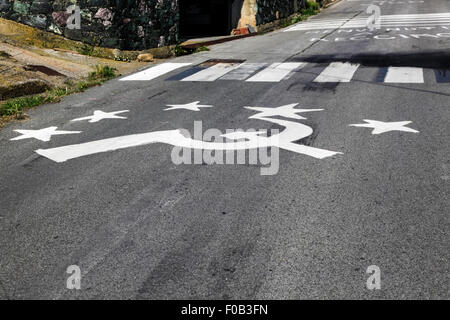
{"x": 404, "y": 75}
{"x": 405, "y": 20}
{"x": 155, "y": 72}
{"x": 244, "y": 71}
{"x": 212, "y": 73}
{"x": 276, "y": 72}
{"x": 334, "y": 72}
{"x": 338, "y": 72}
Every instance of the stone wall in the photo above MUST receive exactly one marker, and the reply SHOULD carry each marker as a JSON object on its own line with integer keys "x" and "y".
{"x": 124, "y": 24}
{"x": 270, "y": 10}
{"x": 129, "y": 24}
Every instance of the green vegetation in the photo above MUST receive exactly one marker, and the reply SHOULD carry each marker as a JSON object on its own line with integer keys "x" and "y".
{"x": 103, "y": 72}
{"x": 181, "y": 51}
{"x": 86, "y": 50}
{"x": 200, "y": 49}
{"x": 311, "y": 9}
{"x": 16, "y": 107}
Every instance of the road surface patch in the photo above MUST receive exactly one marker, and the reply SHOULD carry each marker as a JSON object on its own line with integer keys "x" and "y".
{"x": 212, "y": 73}
{"x": 244, "y": 71}
{"x": 276, "y": 72}
{"x": 442, "y": 75}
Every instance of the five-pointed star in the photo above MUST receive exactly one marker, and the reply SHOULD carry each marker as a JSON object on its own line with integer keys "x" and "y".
{"x": 100, "y": 115}
{"x": 286, "y": 111}
{"x": 42, "y": 134}
{"x": 193, "y": 106}
{"x": 382, "y": 127}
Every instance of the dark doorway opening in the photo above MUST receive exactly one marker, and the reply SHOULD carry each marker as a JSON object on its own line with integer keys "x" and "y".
{"x": 207, "y": 18}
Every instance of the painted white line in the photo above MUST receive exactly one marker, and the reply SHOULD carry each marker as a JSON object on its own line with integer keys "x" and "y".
{"x": 155, "y": 72}
{"x": 338, "y": 72}
{"x": 212, "y": 73}
{"x": 404, "y": 75}
{"x": 380, "y": 127}
{"x": 294, "y": 131}
{"x": 276, "y": 72}
{"x": 244, "y": 71}
{"x": 100, "y": 115}
{"x": 385, "y": 20}
{"x": 41, "y": 134}
{"x": 364, "y": 25}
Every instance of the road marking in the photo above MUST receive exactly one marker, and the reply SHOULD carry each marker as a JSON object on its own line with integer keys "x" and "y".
{"x": 193, "y": 106}
{"x": 41, "y": 134}
{"x": 212, "y": 73}
{"x": 155, "y": 72}
{"x": 407, "y": 20}
{"x": 382, "y": 127}
{"x": 404, "y": 75}
{"x": 338, "y": 72}
{"x": 244, "y": 71}
{"x": 276, "y": 72}
{"x": 100, "y": 115}
{"x": 294, "y": 131}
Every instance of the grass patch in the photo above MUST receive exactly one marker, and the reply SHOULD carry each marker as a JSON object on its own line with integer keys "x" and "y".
{"x": 86, "y": 50}
{"x": 103, "y": 72}
{"x": 181, "y": 51}
{"x": 16, "y": 107}
{"x": 311, "y": 9}
{"x": 201, "y": 49}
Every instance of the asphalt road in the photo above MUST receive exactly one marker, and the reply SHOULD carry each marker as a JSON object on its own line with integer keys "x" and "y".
{"x": 140, "y": 226}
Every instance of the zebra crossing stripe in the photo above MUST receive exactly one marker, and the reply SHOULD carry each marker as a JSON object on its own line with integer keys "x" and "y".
{"x": 154, "y": 72}
{"x": 404, "y": 75}
{"x": 276, "y": 72}
{"x": 244, "y": 71}
{"x": 338, "y": 72}
{"x": 417, "y": 20}
{"x": 212, "y": 73}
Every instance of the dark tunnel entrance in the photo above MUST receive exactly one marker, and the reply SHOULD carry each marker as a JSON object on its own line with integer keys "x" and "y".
{"x": 206, "y": 18}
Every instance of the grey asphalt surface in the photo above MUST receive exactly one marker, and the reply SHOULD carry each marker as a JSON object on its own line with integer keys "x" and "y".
{"x": 141, "y": 227}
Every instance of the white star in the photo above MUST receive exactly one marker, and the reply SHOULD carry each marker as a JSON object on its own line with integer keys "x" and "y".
{"x": 286, "y": 111}
{"x": 193, "y": 106}
{"x": 42, "y": 134}
{"x": 100, "y": 115}
{"x": 382, "y": 127}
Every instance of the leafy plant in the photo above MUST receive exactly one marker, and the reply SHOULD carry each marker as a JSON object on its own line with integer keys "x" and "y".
{"x": 103, "y": 72}
{"x": 202, "y": 48}
{"x": 312, "y": 5}
{"x": 16, "y": 106}
{"x": 180, "y": 51}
